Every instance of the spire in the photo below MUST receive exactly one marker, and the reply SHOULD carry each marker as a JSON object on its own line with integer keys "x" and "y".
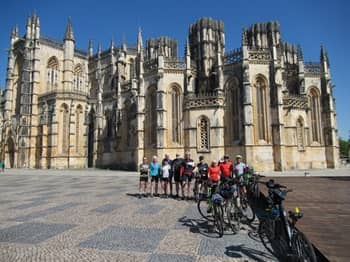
{"x": 299, "y": 53}
{"x": 324, "y": 55}
{"x": 187, "y": 49}
{"x": 14, "y": 32}
{"x": 124, "y": 44}
{"x": 112, "y": 45}
{"x": 37, "y": 21}
{"x": 91, "y": 48}
{"x": 69, "y": 31}
{"x": 99, "y": 49}
{"x": 139, "y": 41}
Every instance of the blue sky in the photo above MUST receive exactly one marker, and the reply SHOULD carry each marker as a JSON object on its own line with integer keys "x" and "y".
{"x": 308, "y": 23}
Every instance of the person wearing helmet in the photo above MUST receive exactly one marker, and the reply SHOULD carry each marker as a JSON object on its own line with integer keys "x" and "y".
{"x": 201, "y": 177}
{"x": 239, "y": 167}
{"x": 187, "y": 168}
{"x": 226, "y": 168}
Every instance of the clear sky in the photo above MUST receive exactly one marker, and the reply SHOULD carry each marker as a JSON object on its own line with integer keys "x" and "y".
{"x": 308, "y": 23}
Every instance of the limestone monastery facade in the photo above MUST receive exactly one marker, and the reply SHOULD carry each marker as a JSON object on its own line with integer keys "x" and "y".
{"x": 67, "y": 108}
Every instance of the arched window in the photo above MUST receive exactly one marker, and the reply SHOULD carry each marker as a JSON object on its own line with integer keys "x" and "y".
{"x": 64, "y": 129}
{"x": 175, "y": 114}
{"x": 78, "y": 78}
{"x": 78, "y": 128}
{"x": 151, "y": 117}
{"x": 314, "y": 103}
{"x": 203, "y": 134}
{"x": 261, "y": 108}
{"x": 52, "y": 72}
{"x": 232, "y": 110}
{"x": 300, "y": 134}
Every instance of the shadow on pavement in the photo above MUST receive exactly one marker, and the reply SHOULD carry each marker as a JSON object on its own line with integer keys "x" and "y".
{"x": 256, "y": 255}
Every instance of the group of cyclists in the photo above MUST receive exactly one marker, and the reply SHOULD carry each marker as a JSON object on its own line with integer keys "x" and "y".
{"x": 183, "y": 171}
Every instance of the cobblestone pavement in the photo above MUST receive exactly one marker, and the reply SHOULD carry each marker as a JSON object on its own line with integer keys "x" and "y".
{"x": 96, "y": 217}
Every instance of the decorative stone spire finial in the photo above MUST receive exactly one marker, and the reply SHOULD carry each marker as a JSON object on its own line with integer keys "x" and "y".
{"x": 139, "y": 40}
{"x": 91, "y": 48}
{"x": 69, "y": 35}
{"x": 187, "y": 50}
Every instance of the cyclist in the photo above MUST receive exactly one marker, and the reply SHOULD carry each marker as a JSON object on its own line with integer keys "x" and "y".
{"x": 144, "y": 170}
{"x": 167, "y": 157}
{"x": 226, "y": 168}
{"x": 165, "y": 170}
{"x": 154, "y": 168}
{"x": 213, "y": 178}
{"x": 239, "y": 170}
{"x": 187, "y": 167}
{"x": 176, "y": 170}
{"x": 214, "y": 174}
{"x": 239, "y": 167}
{"x": 202, "y": 172}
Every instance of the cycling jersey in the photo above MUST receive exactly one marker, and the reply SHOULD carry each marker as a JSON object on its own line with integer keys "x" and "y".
{"x": 154, "y": 169}
{"x": 144, "y": 169}
{"x": 226, "y": 168}
{"x": 214, "y": 173}
{"x": 203, "y": 170}
{"x": 187, "y": 167}
{"x": 239, "y": 169}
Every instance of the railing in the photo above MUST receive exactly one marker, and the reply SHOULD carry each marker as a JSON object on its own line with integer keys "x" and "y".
{"x": 312, "y": 67}
{"x": 201, "y": 100}
{"x": 295, "y": 101}
{"x": 174, "y": 63}
{"x": 233, "y": 56}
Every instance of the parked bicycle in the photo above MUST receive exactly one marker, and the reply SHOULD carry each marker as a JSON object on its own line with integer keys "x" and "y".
{"x": 279, "y": 228}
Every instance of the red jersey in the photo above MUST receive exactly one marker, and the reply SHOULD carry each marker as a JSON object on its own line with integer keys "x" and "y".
{"x": 226, "y": 168}
{"x": 214, "y": 173}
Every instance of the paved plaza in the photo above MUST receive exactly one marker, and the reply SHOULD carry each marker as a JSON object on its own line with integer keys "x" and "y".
{"x": 94, "y": 215}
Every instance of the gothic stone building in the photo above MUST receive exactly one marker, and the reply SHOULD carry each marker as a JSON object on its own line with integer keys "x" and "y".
{"x": 67, "y": 108}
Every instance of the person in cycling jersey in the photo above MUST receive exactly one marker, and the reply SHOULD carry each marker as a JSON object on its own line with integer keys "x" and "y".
{"x": 171, "y": 174}
{"x": 144, "y": 170}
{"x": 214, "y": 174}
{"x": 201, "y": 176}
{"x": 239, "y": 167}
{"x": 176, "y": 171}
{"x": 154, "y": 171}
{"x": 226, "y": 168}
{"x": 165, "y": 170}
{"x": 187, "y": 168}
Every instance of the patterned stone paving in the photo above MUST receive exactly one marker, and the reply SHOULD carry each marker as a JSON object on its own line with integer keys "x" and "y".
{"x": 69, "y": 216}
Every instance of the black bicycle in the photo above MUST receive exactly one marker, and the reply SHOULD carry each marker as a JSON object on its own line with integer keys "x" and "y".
{"x": 279, "y": 231}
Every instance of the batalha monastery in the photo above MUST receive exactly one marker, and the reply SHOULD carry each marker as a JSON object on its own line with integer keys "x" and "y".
{"x": 63, "y": 107}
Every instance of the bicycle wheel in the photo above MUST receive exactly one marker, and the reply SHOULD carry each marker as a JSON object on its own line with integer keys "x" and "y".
{"x": 247, "y": 211}
{"x": 303, "y": 248}
{"x": 219, "y": 219}
{"x": 203, "y": 208}
{"x": 233, "y": 215}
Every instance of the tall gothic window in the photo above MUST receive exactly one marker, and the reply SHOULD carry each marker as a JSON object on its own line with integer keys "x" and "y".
{"x": 300, "y": 134}
{"x": 131, "y": 68}
{"x": 151, "y": 117}
{"x": 52, "y": 72}
{"x": 78, "y": 128}
{"x": 203, "y": 134}
{"x": 315, "y": 115}
{"x": 232, "y": 111}
{"x": 64, "y": 130}
{"x": 175, "y": 116}
{"x": 261, "y": 116}
{"x": 78, "y": 78}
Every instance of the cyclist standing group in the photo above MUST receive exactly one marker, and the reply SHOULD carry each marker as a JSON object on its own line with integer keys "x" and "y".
{"x": 183, "y": 171}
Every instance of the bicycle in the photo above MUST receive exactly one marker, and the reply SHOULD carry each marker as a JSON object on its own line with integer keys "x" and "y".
{"x": 247, "y": 210}
{"x": 280, "y": 229}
